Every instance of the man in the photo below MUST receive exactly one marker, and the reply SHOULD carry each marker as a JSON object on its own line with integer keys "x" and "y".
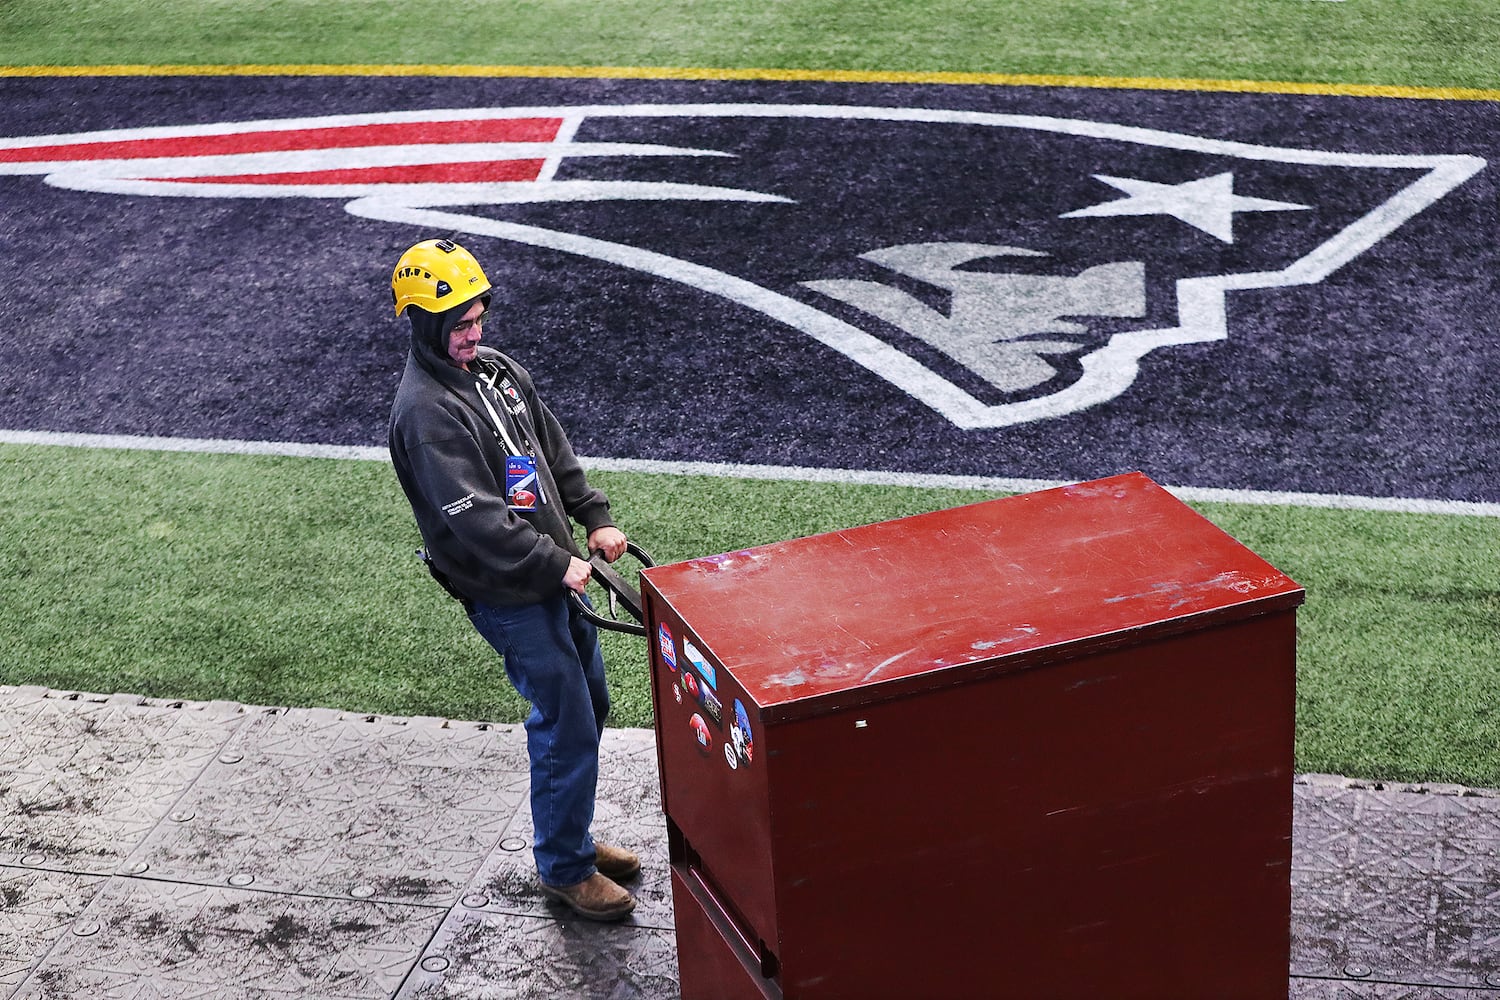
{"x": 493, "y": 482}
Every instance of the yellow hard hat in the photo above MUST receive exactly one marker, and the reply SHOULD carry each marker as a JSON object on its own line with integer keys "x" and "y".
{"x": 436, "y": 275}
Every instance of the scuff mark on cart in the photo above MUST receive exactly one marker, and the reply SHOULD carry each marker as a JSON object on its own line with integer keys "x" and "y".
{"x": 885, "y": 663}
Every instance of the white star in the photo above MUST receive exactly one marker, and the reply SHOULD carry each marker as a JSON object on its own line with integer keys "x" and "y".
{"x": 1208, "y": 204}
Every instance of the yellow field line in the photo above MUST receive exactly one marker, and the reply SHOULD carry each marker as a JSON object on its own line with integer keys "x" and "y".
{"x": 821, "y": 75}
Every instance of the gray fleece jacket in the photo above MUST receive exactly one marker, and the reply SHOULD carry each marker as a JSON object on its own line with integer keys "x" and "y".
{"x": 450, "y": 460}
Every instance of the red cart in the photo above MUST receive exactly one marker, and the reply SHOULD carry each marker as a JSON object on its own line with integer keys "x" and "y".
{"x": 1034, "y": 747}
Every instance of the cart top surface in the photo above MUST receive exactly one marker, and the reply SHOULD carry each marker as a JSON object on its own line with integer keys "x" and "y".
{"x": 905, "y": 602}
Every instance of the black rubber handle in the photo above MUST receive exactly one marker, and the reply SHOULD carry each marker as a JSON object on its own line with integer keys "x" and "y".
{"x": 618, "y": 591}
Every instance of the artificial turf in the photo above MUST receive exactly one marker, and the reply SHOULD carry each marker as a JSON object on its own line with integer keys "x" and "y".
{"x": 288, "y": 581}
{"x": 1391, "y": 42}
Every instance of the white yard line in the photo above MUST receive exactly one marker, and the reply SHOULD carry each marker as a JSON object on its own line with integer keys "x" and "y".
{"x": 732, "y": 470}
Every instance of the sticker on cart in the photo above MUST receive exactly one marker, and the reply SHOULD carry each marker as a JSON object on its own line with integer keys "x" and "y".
{"x": 700, "y": 733}
{"x": 677, "y": 693}
{"x": 731, "y": 758}
{"x": 667, "y": 646}
{"x": 740, "y": 735}
{"x": 704, "y": 668}
{"x": 712, "y": 706}
{"x": 690, "y": 683}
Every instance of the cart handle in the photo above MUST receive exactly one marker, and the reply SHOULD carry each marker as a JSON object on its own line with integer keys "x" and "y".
{"x": 618, "y": 591}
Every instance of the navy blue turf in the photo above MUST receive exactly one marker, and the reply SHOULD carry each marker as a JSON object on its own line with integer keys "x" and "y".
{"x": 269, "y": 319}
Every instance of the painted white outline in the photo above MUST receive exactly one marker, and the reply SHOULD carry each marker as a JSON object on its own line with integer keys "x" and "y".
{"x": 565, "y": 133}
{"x": 501, "y": 193}
{"x": 1106, "y": 372}
{"x": 787, "y": 473}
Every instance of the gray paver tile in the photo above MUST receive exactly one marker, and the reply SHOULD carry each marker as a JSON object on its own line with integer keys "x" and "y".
{"x": 315, "y": 802}
{"x": 82, "y": 782}
{"x": 1407, "y": 902}
{"x": 1397, "y": 834}
{"x": 1361, "y": 989}
{"x": 480, "y": 955}
{"x": 141, "y": 938}
{"x": 36, "y": 907}
{"x": 385, "y": 854}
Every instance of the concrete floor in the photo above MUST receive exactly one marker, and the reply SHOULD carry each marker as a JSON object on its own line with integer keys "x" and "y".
{"x": 166, "y": 849}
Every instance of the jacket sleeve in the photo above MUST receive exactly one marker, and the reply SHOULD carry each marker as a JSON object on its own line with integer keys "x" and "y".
{"x": 465, "y": 501}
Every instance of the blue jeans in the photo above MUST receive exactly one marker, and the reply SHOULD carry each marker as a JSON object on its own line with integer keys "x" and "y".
{"x": 552, "y": 657}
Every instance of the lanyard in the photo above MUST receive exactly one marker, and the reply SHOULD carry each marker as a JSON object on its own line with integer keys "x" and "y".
{"x": 500, "y": 424}
{"x": 504, "y": 435}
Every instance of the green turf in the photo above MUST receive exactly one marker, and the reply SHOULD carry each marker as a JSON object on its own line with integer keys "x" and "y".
{"x": 1398, "y": 42}
{"x": 292, "y": 582}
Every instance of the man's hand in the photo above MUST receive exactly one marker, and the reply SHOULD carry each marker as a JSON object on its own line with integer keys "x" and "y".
{"x": 609, "y": 540}
{"x": 577, "y": 576}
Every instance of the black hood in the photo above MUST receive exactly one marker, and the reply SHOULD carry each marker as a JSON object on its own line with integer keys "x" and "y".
{"x": 430, "y": 331}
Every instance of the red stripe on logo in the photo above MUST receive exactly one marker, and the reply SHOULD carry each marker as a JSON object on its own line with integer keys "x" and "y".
{"x": 339, "y": 137}
{"x": 422, "y": 173}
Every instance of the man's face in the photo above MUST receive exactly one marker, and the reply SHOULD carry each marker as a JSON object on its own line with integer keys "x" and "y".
{"x": 463, "y": 341}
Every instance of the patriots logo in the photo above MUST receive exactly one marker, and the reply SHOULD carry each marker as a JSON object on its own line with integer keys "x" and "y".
{"x": 1089, "y": 244}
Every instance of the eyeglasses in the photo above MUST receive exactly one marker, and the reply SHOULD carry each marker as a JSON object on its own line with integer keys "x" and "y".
{"x": 464, "y": 326}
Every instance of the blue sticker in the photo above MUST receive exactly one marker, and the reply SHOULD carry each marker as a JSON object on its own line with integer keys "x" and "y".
{"x": 740, "y": 736}
{"x": 704, "y": 668}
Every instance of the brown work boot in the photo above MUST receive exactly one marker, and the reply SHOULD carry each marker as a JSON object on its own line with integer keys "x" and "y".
{"x": 616, "y": 862}
{"x": 596, "y": 897}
